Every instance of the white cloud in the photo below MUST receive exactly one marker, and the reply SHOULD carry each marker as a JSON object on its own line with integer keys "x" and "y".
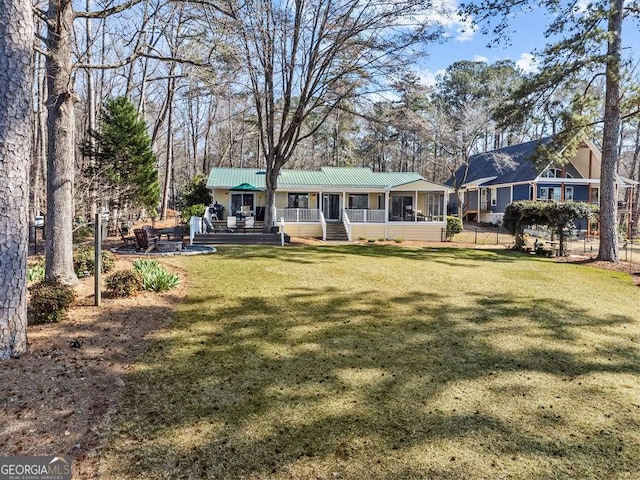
{"x": 427, "y": 77}
{"x": 480, "y": 58}
{"x": 582, "y": 5}
{"x": 527, "y": 63}
{"x": 445, "y": 13}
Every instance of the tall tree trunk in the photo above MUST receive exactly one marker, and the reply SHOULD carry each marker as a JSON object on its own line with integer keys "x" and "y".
{"x": 207, "y": 135}
{"x": 91, "y": 110}
{"x": 16, "y": 42}
{"x": 635, "y": 175}
{"x": 169, "y": 154}
{"x": 162, "y": 114}
{"x": 39, "y": 148}
{"x": 608, "y": 192}
{"x": 60, "y": 151}
{"x": 271, "y": 181}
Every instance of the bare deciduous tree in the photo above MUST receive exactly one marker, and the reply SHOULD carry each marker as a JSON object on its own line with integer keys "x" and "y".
{"x": 59, "y": 19}
{"x": 305, "y": 58}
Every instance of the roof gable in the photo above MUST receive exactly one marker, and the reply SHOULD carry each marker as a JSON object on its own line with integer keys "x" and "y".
{"x": 513, "y": 165}
{"x": 505, "y": 165}
{"x": 420, "y": 185}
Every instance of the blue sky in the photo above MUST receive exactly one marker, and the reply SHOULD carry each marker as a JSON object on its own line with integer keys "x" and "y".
{"x": 465, "y": 43}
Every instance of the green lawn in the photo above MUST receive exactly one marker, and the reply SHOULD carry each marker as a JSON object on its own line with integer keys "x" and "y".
{"x": 377, "y": 362}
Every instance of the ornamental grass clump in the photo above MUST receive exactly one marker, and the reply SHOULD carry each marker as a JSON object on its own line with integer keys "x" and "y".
{"x": 124, "y": 283}
{"x": 49, "y": 301}
{"x": 154, "y": 277}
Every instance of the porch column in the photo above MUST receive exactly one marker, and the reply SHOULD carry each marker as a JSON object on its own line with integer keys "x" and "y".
{"x": 415, "y": 209}
{"x": 344, "y": 204}
{"x": 479, "y": 206}
{"x": 632, "y": 194}
{"x": 445, "y": 207}
{"x": 386, "y": 214}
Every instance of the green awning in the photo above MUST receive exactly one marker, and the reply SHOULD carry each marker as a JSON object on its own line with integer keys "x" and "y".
{"x": 245, "y": 187}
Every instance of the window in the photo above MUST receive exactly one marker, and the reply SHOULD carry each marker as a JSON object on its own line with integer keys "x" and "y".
{"x": 435, "y": 210}
{"x": 544, "y": 193}
{"x": 555, "y": 173}
{"x": 494, "y": 197}
{"x": 594, "y": 195}
{"x": 298, "y": 200}
{"x": 550, "y": 194}
{"x": 568, "y": 194}
{"x": 401, "y": 207}
{"x": 241, "y": 203}
{"x": 358, "y": 200}
{"x": 484, "y": 193}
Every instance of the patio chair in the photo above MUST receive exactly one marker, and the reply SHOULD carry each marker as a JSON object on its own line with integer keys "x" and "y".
{"x": 249, "y": 222}
{"x": 178, "y": 232}
{"x": 124, "y": 234}
{"x": 145, "y": 238}
{"x": 232, "y": 223}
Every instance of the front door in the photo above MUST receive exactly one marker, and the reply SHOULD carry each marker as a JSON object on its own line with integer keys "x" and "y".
{"x": 331, "y": 206}
{"x": 241, "y": 204}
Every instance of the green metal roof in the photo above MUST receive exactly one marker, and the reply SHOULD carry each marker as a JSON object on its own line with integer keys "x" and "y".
{"x": 325, "y": 177}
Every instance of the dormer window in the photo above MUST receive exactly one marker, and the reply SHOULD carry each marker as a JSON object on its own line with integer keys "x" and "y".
{"x": 555, "y": 173}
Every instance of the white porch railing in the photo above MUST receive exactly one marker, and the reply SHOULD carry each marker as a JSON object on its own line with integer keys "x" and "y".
{"x": 299, "y": 215}
{"x": 347, "y": 223}
{"x": 364, "y": 215}
{"x": 323, "y": 222}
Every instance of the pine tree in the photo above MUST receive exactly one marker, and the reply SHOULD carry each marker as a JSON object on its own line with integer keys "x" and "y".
{"x": 124, "y": 162}
{"x": 16, "y": 41}
{"x": 586, "y": 44}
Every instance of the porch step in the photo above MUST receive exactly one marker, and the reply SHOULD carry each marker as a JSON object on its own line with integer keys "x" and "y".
{"x": 238, "y": 239}
{"x": 336, "y": 232}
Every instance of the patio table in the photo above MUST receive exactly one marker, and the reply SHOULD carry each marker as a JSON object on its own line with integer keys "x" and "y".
{"x": 163, "y": 231}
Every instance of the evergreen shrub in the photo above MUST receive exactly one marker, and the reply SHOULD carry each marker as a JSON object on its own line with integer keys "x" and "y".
{"x": 49, "y": 302}
{"x": 84, "y": 261}
{"x": 124, "y": 283}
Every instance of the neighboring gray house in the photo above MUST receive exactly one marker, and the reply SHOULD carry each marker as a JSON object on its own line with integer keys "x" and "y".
{"x": 495, "y": 179}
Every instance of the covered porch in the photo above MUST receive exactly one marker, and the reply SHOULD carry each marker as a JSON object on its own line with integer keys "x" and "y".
{"x": 378, "y": 214}
{"x": 336, "y": 203}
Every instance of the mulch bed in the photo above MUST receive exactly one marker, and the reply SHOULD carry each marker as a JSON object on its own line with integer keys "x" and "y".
{"x": 59, "y": 398}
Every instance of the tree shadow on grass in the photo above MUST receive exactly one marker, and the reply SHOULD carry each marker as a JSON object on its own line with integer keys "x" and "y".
{"x": 322, "y": 254}
{"x": 314, "y": 383}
